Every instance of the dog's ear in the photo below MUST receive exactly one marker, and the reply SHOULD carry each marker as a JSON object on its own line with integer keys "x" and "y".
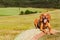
{"x": 41, "y": 17}
{"x": 48, "y": 16}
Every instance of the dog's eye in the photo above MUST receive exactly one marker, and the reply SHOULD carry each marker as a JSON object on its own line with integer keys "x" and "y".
{"x": 43, "y": 16}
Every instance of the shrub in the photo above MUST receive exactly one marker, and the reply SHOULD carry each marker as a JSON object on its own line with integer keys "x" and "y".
{"x": 27, "y": 12}
{"x": 35, "y": 12}
{"x": 30, "y": 12}
{"x": 21, "y": 13}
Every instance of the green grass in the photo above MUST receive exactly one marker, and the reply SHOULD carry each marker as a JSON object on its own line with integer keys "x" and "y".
{"x": 15, "y": 11}
{"x": 51, "y": 37}
{"x": 10, "y": 26}
{"x": 9, "y": 11}
{"x": 39, "y": 10}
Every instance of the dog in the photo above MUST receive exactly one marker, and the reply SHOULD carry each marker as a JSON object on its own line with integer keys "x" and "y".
{"x": 43, "y": 22}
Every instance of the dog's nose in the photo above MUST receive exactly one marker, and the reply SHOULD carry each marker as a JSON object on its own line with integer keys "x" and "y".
{"x": 45, "y": 20}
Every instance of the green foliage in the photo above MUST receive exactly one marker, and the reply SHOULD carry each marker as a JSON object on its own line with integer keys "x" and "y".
{"x": 27, "y": 12}
{"x": 21, "y": 13}
{"x": 30, "y": 3}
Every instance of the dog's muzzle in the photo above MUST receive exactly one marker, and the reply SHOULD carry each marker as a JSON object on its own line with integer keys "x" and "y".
{"x": 45, "y": 20}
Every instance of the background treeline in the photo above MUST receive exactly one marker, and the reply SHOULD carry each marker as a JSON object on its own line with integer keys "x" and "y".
{"x": 30, "y": 3}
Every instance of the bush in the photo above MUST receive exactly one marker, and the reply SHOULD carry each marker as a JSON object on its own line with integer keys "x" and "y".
{"x": 27, "y": 12}
{"x": 35, "y": 12}
{"x": 21, "y": 13}
{"x": 30, "y": 12}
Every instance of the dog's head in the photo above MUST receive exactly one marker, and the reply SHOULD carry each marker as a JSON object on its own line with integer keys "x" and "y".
{"x": 44, "y": 17}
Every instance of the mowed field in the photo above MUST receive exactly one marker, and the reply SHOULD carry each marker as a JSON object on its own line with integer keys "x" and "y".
{"x": 12, "y": 24}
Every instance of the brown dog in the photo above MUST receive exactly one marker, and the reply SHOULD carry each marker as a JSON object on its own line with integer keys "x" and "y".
{"x": 43, "y": 22}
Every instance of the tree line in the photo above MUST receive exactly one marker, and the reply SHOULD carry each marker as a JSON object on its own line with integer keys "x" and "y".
{"x": 30, "y": 3}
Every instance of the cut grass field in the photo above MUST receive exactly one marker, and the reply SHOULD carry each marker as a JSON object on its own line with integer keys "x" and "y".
{"x": 51, "y": 37}
{"x": 10, "y": 26}
{"x": 16, "y": 11}
{"x": 9, "y": 11}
